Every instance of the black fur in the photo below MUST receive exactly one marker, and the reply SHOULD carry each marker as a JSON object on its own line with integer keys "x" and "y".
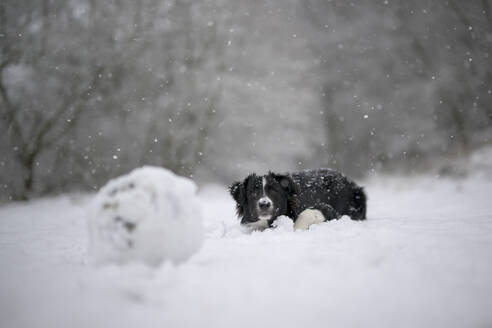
{"x": 323, "y": 189}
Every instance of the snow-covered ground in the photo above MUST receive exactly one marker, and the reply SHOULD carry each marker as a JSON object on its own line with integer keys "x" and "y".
{"x": 422, "y": 259}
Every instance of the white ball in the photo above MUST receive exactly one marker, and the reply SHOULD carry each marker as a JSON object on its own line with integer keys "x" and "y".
{"x": 148, "y": 215}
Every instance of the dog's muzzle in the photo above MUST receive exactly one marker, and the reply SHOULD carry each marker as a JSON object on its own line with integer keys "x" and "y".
{"x": 264, "y": 204}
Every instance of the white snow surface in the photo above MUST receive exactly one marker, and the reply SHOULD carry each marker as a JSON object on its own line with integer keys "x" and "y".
{"x": 422, "y": 259}
{"x": 147, "y": 215}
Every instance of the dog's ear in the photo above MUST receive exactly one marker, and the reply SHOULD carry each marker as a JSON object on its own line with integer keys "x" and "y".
{"x": 238, "y": 192}
{"x": 292, "y": 190}
{"x": 286, "y": 183}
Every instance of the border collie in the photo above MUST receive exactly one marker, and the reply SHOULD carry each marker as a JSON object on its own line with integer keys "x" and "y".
{"x": 307, "y": 197}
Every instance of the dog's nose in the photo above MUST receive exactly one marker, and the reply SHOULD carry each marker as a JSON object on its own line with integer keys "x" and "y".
{"x": 264, "y": 204}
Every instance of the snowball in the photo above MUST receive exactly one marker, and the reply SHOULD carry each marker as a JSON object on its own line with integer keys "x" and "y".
{"x": 148, "y": 215}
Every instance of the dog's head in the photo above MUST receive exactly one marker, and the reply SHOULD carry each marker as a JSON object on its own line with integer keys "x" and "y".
{"x": 261, "y": 199}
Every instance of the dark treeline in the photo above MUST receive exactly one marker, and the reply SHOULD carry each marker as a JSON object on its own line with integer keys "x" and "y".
{"x": 213, "y": 89}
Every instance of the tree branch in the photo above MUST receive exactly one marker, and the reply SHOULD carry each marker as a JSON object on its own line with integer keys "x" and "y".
{"x": 70, "y": 102}
{"x": 8, "y": 114}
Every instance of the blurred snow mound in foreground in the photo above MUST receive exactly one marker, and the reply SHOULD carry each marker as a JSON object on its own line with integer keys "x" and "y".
{"x": 148, "y": 215}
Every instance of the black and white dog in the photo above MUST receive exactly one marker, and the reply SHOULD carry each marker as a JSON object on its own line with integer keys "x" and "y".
{"x": 307, "y": 197}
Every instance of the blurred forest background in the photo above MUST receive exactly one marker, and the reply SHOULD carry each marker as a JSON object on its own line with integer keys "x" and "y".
{"x": 214, "y": 89}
